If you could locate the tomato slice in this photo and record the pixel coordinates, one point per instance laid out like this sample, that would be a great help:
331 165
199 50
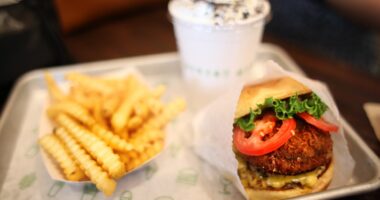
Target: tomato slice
319 123
255 146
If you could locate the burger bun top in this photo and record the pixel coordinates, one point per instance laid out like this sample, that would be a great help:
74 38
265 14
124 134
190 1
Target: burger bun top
281 88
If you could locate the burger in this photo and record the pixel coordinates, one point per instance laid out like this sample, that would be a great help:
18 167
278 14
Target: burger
281 141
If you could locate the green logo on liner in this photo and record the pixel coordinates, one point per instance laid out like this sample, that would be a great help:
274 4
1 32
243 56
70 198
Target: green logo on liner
164 198
89 192
239 72
226 186
187 176
150 170
163 82
32 151
27 181
174 149
55 188
226 72
35 130
174 121
126 195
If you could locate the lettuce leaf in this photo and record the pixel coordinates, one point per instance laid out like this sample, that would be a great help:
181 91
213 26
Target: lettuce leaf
284 109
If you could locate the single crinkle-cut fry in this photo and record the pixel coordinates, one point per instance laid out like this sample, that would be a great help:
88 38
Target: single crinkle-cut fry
134 123
110 104
134 91
79 96
72 109
133 84
131 160
117 84
156 148
134 102
53 146
141 109
148 130
141 140
124 157
98 114
134 159
158 91
151 103
55 93
155 105
95 146
122 114
168 113
114 141
96 174
89 83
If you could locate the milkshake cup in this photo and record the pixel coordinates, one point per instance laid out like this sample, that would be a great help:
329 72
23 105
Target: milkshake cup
217 39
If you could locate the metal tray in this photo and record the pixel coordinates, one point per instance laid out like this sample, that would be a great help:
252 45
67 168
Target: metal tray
15 121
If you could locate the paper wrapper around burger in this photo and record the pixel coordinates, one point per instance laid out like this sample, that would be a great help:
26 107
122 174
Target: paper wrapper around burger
213 124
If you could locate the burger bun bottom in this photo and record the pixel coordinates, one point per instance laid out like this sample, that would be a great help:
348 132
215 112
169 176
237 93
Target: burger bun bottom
322 184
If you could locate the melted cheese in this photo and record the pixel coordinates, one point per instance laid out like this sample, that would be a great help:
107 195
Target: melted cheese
308 179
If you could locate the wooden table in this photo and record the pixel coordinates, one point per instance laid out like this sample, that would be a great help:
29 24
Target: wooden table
150 32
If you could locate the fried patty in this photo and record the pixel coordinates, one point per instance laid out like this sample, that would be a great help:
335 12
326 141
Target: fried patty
308 149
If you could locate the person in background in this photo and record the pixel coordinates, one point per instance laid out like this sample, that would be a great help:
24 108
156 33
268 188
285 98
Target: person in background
29 39
347 30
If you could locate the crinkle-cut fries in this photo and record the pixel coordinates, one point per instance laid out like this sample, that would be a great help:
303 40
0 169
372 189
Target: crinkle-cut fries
105 127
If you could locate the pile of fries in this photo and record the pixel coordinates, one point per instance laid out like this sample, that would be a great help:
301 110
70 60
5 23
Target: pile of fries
105 127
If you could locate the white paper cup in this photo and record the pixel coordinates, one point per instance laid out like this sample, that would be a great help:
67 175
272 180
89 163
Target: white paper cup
214 56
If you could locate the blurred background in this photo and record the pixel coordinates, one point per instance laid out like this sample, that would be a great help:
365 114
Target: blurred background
42 33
